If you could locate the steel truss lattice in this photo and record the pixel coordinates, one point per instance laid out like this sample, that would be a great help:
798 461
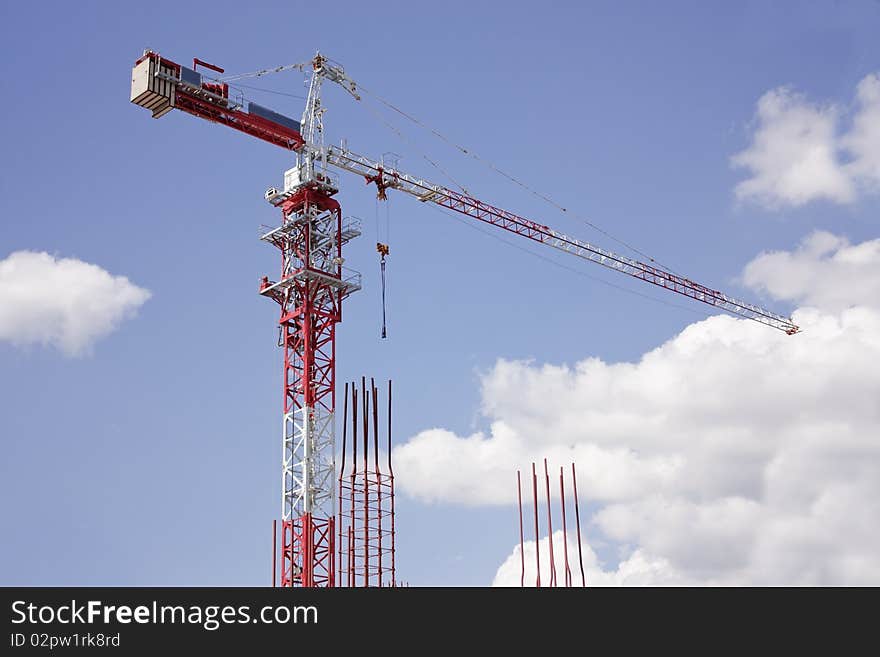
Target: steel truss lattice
365 529
310 292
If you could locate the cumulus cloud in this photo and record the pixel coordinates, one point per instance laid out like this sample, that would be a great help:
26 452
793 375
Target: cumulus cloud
863 141
638 569
824 271
614 472
799 154
793 156
63 302
730 454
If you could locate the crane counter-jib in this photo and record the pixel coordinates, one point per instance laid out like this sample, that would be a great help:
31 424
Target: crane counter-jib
161 85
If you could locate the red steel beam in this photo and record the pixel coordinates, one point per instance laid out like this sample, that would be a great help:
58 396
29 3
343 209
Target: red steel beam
537 535
378 474
353 480
550 528
366 406
391 483
577 516
342 470
564 527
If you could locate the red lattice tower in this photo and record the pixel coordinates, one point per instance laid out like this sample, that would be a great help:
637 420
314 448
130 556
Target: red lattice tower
310 291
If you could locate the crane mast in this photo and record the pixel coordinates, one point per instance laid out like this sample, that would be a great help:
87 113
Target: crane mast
313 283
310 292
312 158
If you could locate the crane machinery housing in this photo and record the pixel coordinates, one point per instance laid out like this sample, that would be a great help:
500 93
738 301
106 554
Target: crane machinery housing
313 283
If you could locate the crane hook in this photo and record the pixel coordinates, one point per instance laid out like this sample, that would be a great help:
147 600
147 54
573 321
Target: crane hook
382 250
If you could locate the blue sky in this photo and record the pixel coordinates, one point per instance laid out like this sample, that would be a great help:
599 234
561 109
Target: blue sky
154 459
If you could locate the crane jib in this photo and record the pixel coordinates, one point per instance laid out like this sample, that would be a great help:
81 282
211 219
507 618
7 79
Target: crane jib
648 273
430 193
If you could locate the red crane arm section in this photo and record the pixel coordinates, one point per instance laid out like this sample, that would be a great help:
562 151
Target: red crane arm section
250 124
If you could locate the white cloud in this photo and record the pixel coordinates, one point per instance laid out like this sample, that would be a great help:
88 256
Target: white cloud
863 141
730 454
793 157
825 271
638 569
63 302
799 155
615 472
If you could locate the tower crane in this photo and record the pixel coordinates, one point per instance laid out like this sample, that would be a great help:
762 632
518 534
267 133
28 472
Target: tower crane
313 282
